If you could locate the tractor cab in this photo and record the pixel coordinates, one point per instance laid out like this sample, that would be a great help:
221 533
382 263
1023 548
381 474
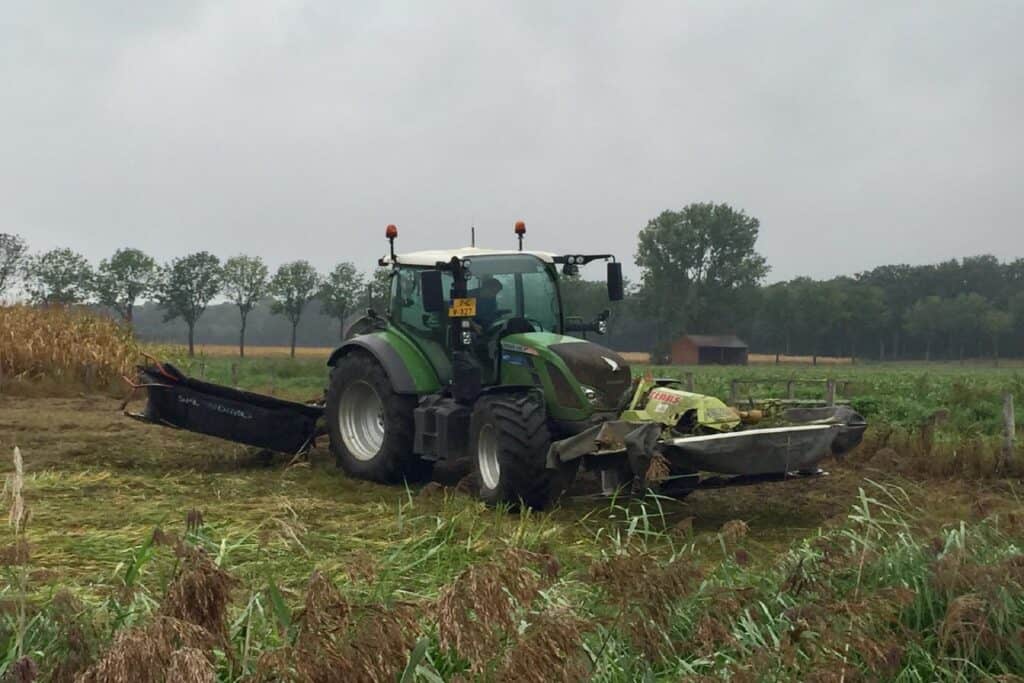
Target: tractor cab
460 307
504 293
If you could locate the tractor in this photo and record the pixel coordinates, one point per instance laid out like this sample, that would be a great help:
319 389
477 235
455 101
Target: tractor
475 359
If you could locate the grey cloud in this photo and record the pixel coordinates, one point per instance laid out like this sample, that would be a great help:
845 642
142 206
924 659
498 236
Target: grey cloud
859 133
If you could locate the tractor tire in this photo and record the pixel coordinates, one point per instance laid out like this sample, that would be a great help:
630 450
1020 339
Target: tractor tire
508 441
370 426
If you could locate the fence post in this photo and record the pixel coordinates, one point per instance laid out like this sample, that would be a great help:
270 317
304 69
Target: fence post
734 392
1009 431
202 369
90 375
234 375
689 381
790 389
830 392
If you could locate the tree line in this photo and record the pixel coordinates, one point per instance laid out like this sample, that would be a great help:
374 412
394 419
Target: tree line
184 287
700 272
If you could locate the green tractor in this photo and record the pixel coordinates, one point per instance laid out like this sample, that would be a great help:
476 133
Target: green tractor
474 360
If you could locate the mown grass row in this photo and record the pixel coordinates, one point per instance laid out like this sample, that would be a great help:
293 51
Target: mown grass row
486 596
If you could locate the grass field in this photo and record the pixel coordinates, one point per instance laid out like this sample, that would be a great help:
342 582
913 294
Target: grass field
905 395
772 578
158 555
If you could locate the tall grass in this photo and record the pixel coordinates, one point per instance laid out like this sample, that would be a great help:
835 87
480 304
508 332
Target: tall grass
56 349
481 595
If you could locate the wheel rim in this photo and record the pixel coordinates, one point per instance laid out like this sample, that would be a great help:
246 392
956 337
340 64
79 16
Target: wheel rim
361 420
487 457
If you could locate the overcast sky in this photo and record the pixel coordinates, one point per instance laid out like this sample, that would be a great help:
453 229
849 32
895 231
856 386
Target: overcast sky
859 133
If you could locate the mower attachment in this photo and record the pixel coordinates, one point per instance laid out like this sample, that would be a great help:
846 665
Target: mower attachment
176 400
755 451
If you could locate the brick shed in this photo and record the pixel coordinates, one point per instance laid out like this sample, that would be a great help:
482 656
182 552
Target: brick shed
709 349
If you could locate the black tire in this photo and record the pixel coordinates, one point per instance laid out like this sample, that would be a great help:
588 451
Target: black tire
513 429
357 381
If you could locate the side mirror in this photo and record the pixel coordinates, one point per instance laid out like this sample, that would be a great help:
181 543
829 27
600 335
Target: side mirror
433 294
615 289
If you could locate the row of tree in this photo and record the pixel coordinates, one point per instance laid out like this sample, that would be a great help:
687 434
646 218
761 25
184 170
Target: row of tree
851 316
185 286
700 273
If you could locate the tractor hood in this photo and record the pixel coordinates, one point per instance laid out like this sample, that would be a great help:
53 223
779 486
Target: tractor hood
582 375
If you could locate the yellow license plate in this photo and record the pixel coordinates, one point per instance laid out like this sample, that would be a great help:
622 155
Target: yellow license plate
462 308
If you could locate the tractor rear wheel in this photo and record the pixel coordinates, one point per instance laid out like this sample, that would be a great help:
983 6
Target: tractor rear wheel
371 427
509 442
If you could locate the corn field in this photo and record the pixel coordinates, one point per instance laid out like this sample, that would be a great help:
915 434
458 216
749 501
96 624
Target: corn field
59 346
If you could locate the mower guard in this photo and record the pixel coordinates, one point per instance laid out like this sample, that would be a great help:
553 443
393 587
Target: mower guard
753 452
176 400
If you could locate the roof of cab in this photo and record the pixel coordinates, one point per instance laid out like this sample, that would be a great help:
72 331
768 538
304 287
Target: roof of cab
432 257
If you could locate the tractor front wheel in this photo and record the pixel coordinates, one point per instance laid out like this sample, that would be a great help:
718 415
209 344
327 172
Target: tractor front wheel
509 442
371 427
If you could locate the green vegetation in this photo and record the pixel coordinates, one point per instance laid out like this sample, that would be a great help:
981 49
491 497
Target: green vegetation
150 551
156 555
904 396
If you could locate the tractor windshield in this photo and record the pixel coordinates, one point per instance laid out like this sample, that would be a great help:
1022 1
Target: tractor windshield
515 286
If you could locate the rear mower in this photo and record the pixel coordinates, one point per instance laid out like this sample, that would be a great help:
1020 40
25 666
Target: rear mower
475 360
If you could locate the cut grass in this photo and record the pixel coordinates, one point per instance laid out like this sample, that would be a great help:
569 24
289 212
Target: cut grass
99 485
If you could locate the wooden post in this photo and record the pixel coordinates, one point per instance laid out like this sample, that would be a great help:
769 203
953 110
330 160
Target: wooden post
830 392
202 369
790 389
734 392
1009 431
688 376
234 375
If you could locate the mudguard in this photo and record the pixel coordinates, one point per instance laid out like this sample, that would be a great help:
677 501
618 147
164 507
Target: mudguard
406 367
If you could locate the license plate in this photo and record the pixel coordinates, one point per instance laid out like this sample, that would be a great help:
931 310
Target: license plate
462 308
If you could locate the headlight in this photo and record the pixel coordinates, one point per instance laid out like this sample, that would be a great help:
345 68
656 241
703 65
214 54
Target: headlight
592 394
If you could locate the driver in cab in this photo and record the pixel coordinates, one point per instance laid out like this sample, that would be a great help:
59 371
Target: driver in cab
487 312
